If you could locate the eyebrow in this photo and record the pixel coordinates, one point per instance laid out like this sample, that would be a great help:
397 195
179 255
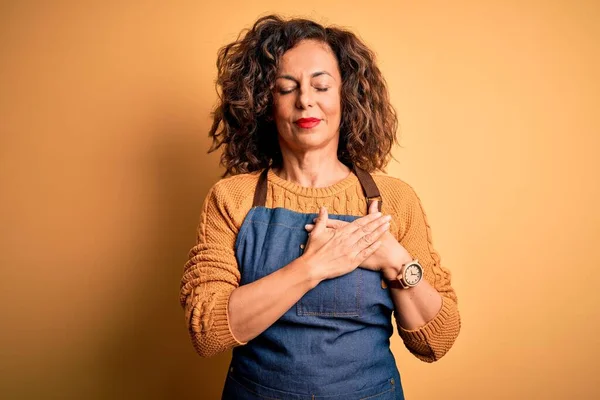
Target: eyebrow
314 75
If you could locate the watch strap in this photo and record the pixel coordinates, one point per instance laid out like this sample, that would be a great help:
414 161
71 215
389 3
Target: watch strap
396 284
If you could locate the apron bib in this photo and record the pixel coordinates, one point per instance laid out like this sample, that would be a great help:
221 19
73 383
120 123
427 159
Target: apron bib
333 344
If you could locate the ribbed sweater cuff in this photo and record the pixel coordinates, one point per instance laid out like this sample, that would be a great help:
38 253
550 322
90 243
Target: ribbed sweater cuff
221 325
432 329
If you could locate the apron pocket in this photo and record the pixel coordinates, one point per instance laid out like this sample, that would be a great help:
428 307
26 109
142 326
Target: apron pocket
337 297
386 391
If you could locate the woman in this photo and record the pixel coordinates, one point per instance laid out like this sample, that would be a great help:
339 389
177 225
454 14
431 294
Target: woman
304 117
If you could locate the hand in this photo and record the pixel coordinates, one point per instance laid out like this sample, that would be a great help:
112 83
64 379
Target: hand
388 258
336 252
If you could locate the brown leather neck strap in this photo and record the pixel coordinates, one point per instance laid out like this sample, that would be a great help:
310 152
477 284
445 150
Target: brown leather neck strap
369 187
260 194
367 183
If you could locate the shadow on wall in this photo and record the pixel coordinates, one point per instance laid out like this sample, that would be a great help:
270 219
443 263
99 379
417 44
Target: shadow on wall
151 355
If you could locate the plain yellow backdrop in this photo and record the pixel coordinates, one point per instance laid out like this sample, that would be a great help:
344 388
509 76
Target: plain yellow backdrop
104 114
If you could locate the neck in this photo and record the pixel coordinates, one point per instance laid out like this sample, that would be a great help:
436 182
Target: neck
312 170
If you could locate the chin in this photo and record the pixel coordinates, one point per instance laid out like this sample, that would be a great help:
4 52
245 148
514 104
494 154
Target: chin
307 139
313 140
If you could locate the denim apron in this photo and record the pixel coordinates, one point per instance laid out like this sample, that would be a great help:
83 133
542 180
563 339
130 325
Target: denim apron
334 343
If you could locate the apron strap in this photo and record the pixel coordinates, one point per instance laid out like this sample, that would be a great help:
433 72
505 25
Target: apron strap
367 183
369 187
260 194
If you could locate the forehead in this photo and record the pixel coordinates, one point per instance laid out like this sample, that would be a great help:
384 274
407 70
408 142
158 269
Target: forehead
307 57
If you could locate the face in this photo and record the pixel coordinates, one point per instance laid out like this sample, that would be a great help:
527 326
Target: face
306 98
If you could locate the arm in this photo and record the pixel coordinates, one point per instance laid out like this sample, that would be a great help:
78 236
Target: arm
209 277
256 306
415 307
219 313
427 315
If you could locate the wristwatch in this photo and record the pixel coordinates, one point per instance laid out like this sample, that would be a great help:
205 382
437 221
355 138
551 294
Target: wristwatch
410 275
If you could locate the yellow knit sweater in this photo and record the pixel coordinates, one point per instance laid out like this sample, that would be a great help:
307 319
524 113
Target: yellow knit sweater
211 272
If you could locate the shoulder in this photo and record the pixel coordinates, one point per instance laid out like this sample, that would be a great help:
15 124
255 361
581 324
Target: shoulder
399 197
400 200
233 196
236 187
396 192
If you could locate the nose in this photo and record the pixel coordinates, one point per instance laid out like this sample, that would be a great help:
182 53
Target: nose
305 98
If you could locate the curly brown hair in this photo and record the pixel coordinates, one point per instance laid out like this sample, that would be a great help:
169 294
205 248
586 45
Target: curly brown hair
242 120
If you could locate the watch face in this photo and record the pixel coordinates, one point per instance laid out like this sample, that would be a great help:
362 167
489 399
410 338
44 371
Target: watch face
412 274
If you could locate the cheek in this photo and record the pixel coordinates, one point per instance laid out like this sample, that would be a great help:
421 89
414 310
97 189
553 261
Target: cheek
281 116
282 110
332 107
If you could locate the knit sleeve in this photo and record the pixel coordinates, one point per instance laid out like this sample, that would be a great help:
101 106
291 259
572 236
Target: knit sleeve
430 342
209 276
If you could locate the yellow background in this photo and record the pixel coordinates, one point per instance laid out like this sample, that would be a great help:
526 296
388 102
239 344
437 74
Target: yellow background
104 113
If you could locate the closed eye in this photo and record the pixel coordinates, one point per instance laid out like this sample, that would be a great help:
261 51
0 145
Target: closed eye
283 91
287 91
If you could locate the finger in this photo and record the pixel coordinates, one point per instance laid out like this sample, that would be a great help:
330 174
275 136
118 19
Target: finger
333 223
322 219
311 227
372 237
379 225
362 222
374 207
366 253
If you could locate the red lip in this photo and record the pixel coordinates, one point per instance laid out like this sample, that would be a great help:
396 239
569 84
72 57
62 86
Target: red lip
308 123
